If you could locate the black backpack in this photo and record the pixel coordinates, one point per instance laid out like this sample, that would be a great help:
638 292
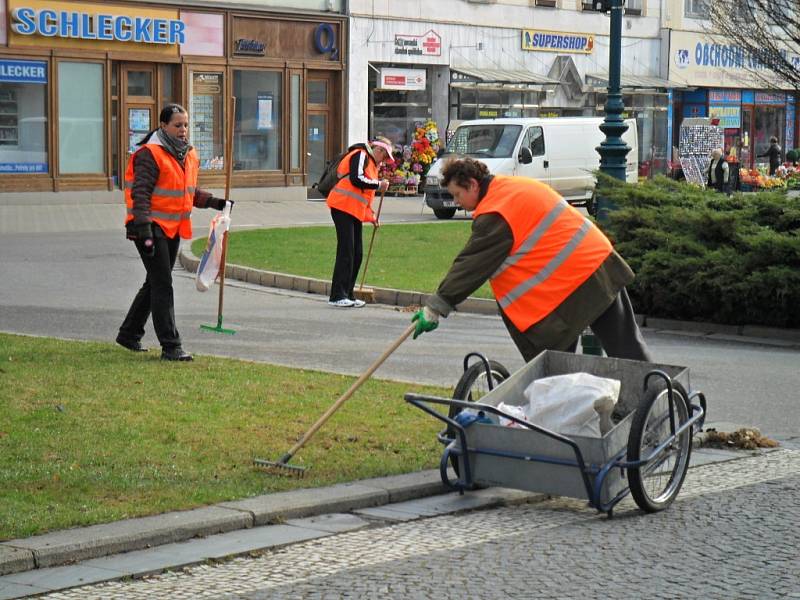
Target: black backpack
330 177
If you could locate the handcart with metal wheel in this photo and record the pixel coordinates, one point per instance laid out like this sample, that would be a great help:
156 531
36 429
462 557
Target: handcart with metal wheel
646 453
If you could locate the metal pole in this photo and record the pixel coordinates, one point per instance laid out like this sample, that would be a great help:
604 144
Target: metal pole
613 150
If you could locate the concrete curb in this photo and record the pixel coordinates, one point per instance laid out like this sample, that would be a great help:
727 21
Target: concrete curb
392 297
73 545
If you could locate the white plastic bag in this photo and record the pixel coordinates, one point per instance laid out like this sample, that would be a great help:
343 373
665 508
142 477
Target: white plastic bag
208 269
572 404
520 412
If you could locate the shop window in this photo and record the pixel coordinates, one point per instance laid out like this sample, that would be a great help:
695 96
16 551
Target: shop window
696 9
257 130
140 83
396 111
23 117
295 115
206 119
317 91
81 132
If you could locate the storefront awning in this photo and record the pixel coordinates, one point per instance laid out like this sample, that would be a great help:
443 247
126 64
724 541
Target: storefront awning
502 76
600 80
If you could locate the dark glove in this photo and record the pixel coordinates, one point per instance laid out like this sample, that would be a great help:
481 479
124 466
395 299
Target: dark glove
142 232
218 203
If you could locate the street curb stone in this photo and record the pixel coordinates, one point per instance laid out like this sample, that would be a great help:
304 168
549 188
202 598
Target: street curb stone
70 545
95 541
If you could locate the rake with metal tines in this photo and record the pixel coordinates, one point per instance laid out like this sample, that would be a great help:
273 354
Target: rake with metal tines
282 465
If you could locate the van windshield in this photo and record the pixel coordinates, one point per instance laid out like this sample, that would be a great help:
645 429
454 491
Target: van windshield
487 141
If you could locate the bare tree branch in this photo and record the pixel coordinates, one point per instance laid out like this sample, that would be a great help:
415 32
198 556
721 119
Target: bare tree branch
767 34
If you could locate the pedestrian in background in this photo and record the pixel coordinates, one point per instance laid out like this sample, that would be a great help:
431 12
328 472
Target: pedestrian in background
160 191
553 272
774 154
350 202
718 173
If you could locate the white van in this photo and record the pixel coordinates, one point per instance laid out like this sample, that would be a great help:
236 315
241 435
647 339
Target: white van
558 151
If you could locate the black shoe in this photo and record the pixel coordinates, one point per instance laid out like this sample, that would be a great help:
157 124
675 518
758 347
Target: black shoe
132 346
176 354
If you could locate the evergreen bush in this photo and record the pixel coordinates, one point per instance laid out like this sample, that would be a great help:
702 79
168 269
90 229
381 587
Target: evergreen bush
704 256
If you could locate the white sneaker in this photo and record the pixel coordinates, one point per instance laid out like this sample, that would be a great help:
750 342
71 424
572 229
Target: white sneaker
358 303
342 303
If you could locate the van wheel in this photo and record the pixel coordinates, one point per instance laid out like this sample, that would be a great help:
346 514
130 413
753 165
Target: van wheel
444 213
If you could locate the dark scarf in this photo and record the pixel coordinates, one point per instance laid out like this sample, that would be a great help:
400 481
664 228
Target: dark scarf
178 148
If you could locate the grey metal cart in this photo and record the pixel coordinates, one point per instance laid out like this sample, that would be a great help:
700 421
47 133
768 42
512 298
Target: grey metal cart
646 453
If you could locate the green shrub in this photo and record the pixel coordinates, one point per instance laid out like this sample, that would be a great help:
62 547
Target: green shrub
704 256
791 156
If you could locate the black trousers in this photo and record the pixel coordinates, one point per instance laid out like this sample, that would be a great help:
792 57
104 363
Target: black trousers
155 297
349 252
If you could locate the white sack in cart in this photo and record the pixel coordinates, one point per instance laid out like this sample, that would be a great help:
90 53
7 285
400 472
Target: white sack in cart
572 404
208 269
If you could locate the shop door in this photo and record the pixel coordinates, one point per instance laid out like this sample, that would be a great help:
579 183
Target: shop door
320 131
139 113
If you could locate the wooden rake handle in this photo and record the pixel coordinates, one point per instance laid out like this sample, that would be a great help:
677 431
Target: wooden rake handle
228 173
358 383
371 241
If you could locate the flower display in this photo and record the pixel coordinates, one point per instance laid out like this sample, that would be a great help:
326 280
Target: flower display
410 163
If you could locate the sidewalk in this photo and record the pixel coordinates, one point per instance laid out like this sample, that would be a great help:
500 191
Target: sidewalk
139 547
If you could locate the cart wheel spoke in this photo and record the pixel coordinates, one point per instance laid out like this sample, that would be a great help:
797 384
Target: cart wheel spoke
655 484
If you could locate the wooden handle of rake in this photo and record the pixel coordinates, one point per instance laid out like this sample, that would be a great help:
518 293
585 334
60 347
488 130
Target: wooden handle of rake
228 174
358 383
372 241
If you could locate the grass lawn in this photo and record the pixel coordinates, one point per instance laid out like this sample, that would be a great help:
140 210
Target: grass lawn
91 433
407 257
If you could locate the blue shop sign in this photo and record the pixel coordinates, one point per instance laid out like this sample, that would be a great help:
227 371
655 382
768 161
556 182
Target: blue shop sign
87 26
23 71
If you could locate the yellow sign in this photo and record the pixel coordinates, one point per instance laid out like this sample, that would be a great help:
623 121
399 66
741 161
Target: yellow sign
104 27
557 41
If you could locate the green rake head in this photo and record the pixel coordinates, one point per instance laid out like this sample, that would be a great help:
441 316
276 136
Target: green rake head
281 467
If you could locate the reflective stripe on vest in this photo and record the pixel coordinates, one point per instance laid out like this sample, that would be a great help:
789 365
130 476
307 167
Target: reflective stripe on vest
555 248
172 197
347 197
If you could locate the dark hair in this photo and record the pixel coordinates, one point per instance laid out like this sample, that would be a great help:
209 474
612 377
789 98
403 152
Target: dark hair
773 140
165 116
461 170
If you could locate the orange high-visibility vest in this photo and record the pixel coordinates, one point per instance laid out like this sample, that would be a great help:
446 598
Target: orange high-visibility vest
172 199
347 197
555 248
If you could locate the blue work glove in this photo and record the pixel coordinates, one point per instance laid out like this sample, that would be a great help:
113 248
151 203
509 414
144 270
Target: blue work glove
426 320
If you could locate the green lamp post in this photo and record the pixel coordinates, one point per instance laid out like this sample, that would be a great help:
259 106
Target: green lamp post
613 150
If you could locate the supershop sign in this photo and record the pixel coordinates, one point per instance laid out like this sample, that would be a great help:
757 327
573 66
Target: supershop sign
29 21
557 41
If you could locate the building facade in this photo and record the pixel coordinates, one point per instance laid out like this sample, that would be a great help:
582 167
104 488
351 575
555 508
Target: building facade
724 82
82 82
453 60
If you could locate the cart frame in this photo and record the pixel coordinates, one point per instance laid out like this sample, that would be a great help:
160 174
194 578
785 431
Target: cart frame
593 475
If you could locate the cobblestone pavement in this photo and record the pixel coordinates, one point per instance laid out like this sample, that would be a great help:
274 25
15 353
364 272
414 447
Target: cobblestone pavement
731 534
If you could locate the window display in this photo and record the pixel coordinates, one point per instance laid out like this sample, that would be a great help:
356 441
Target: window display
257 132
206 119
23 117
81 118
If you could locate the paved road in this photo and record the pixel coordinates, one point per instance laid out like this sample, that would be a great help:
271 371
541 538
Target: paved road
731 534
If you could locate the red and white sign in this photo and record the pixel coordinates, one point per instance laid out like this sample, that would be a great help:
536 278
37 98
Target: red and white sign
403 79
427 44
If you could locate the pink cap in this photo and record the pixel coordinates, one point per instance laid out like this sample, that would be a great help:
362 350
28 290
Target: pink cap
382 143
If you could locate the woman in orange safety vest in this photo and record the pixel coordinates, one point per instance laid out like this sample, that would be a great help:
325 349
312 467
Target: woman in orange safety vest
160 191
350 202
553 272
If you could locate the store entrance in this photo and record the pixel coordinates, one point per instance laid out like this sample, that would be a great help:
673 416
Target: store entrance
138 112
321 115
